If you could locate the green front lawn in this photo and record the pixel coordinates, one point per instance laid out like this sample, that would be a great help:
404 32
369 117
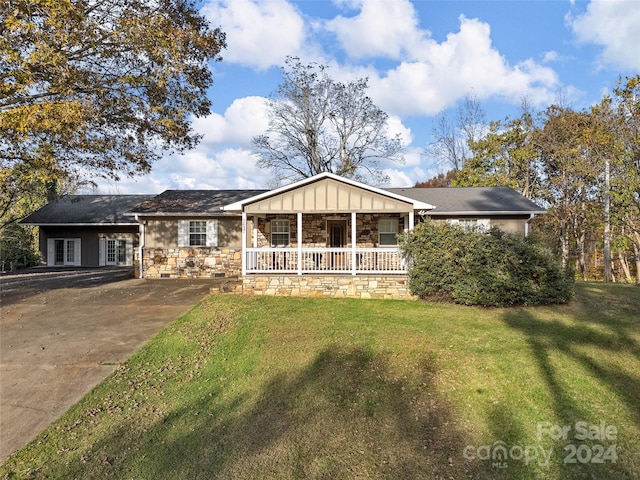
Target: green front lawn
248 387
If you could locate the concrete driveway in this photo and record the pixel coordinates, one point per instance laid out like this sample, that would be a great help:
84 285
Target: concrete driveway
62 332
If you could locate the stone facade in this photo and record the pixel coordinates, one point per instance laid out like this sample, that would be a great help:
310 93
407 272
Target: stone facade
314 229
333 286
188 262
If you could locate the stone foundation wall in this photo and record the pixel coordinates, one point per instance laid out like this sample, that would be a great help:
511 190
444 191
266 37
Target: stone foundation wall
370 286
191 262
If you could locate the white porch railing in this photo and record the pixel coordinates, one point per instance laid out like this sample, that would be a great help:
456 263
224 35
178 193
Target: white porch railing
325 260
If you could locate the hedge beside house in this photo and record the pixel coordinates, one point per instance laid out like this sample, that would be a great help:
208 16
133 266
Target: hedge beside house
490 269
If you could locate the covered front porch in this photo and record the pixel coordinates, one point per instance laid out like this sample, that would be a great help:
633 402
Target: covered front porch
303 243
325 225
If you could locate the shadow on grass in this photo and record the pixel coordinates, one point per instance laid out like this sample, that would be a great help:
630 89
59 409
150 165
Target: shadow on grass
345 415
598 339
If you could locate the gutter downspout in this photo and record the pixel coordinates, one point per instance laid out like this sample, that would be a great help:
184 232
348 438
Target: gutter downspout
140 248
526 224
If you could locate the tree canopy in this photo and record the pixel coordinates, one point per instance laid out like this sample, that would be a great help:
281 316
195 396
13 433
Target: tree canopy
317 124
100 86
584 167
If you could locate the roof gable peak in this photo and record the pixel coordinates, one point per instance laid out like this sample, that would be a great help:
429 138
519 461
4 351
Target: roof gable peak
239 206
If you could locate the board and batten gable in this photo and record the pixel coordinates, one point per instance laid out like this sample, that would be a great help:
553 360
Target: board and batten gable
327 196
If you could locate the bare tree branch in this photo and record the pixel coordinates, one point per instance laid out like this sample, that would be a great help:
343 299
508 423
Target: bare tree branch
319 125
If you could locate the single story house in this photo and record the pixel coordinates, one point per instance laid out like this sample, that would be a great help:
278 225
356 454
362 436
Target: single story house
322 236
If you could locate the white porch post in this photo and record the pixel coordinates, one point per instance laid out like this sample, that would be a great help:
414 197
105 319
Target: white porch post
254 240
353 244
244 243
299 243
411 225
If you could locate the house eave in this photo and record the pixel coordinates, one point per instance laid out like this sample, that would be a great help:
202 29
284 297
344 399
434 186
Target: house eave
187 214
81 224
486 213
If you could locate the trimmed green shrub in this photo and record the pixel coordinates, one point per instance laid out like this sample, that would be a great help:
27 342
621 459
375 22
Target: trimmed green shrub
490 269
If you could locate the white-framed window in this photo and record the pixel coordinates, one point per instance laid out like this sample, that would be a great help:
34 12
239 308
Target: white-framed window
280 232
198 233
472 224
64 251
388 232
469 224
115 251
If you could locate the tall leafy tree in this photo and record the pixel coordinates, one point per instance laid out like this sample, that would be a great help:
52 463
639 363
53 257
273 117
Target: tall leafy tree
584 166
99 87
602 117
626 183
317 124
571 171
505 156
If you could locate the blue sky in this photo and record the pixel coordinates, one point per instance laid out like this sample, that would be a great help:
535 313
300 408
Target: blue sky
421 58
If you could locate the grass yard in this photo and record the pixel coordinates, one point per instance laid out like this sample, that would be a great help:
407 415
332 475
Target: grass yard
248 387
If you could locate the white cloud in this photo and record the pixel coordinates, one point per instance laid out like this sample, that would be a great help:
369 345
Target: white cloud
398 178
550 57
259 34
245 118
395 127
191 170
381 29
615 25
419 175
243 163
413 157
150 183
466 61
230 168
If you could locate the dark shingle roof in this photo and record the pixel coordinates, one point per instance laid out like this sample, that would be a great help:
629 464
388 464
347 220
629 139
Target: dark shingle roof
471 200
87 209
119 209
194 202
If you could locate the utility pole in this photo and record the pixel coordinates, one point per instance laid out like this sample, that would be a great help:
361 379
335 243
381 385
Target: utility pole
607 223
